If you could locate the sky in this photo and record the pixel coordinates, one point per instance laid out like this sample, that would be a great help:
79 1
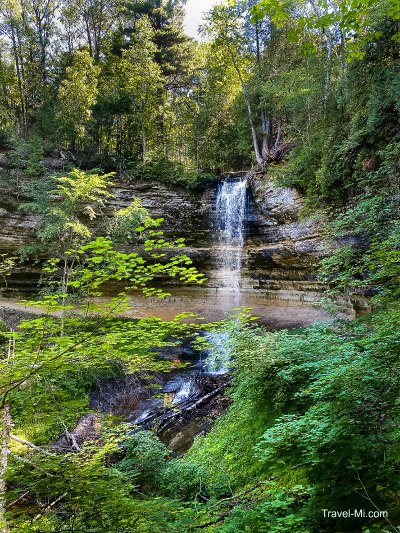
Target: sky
194 15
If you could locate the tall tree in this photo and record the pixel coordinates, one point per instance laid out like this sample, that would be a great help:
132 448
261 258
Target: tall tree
77 95
225 25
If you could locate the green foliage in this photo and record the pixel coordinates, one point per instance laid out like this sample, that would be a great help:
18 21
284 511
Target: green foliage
183 479
314 424
67 204
77 95
28 155
145 457
352 19
52 362
123 226
367 255
90 495
278 514
98 262
315 420
170 172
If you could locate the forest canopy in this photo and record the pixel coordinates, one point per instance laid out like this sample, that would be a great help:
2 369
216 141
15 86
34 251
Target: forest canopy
122 87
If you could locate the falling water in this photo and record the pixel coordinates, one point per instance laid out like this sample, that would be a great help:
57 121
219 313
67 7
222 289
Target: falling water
229 225
230 217
219 351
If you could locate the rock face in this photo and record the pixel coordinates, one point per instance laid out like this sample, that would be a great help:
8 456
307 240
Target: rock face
282 250
279 256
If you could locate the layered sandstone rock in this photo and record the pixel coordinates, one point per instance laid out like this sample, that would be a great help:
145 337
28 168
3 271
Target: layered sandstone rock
280 255
283 250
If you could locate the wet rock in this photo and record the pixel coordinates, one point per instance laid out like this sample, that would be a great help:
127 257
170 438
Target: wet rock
124 396
54 162
5 161
179 405
180 436
282 257
278 204
87 429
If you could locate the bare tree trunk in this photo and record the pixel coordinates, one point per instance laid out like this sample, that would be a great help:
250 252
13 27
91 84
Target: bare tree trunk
41 37
327 88
266 129
20 82
5 437
88 35
258 42
278 135
144 143
259 158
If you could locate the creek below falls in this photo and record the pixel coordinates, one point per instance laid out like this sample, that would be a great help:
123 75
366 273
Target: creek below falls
185 402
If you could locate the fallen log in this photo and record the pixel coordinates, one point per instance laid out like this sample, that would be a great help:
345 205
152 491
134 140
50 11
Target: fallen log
166 417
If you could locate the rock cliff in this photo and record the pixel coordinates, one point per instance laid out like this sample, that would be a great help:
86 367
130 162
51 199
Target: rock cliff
279 257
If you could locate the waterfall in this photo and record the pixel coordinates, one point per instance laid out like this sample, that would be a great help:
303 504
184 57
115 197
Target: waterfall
219 351
229 226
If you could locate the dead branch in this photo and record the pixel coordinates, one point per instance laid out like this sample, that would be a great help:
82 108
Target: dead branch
29 444
31 463
71 438
18 499
38 516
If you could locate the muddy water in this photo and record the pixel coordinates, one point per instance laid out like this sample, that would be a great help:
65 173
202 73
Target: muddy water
213 305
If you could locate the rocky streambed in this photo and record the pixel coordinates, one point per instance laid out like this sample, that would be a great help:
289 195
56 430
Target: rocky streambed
177 406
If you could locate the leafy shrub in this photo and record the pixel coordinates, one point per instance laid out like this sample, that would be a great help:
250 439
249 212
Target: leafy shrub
145 457
368 232
122 227
315 419
183 478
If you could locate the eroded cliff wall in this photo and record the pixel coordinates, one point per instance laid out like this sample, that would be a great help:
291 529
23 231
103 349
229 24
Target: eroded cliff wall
280 255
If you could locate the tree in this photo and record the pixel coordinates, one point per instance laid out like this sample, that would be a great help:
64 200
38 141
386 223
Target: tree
77 95
11 15
220 134
90 338
338 21
67 205
128 102
225 25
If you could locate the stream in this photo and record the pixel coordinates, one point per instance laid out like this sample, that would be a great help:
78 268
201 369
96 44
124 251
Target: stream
185 402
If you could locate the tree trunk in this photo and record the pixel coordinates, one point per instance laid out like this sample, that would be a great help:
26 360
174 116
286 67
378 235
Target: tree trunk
327 88
266 129
259 158
144 144
5 437
23 122
88 35
258 42
41 37
278 136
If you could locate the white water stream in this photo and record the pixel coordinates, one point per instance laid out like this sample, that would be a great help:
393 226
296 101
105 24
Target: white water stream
230 214
229 226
